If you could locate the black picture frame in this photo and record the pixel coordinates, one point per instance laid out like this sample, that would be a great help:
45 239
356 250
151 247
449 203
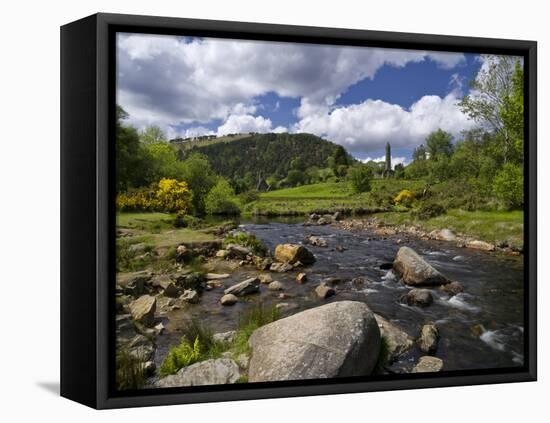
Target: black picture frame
87 208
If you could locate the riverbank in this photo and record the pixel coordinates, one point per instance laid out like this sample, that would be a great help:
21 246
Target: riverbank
501 230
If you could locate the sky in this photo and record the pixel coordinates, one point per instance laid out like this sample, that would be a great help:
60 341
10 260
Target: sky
358 97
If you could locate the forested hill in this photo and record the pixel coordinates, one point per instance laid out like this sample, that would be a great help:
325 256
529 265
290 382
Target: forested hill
267 155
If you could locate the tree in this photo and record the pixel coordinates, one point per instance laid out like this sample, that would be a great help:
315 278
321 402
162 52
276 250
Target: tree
512 115
128 153
489 93
440 144
399 171
295 178
360 178
419 153
508 185
152 135
221 199
340 157
200 177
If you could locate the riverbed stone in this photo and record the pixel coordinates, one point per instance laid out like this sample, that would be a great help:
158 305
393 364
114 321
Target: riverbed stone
292 253
316 241
428 338
397 340
301 278
216 276
190 296
237 251
170 289
453 288
246 287
337 339
324 291
417 297
229 300
143 310
480 245
134 283
281 267
224 337
428 364
265 278
275 286
209 372
414 270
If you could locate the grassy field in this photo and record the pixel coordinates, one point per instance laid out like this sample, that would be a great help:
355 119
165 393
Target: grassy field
490 226
330 196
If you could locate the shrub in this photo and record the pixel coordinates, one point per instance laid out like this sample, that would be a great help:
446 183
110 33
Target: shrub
173 196
183 220
197 344
221 199
130 370
143 199
180 356
360 178
246 240
405 198
508 185
428 210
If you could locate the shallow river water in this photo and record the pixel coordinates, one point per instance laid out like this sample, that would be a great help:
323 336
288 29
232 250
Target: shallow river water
492 297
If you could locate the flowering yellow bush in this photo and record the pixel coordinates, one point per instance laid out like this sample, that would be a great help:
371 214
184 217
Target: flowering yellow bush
169 195
405 197
174 196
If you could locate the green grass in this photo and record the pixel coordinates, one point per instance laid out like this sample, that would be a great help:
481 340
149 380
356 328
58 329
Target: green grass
329 197
130 370
197 343
157 232
247 240
490 226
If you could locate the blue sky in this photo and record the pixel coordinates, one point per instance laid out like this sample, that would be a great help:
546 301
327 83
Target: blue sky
360 98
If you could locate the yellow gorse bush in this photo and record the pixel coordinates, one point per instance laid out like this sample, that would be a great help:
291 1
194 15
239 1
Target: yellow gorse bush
405 197
169 195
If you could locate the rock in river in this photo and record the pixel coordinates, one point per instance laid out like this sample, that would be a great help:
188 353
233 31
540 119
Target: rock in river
229 299
398 341
417 297
209 372
143 310
275 286
414 270
428 338
281 267
337 339
237 251
324 291
480 245
428 364
246 287
190 296
292 253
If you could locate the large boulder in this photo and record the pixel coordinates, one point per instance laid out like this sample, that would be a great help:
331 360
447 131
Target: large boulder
229 300
143 310
337 339
246 287
209 372
293 253
133 283
397 340
428 364
414 270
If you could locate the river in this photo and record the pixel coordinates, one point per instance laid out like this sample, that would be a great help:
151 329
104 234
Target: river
479 328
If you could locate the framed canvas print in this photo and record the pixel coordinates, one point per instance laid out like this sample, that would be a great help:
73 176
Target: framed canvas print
254 211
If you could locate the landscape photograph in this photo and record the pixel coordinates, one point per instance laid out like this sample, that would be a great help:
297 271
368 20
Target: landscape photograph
292 211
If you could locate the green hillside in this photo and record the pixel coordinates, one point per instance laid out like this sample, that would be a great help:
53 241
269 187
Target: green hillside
265 154
185 145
